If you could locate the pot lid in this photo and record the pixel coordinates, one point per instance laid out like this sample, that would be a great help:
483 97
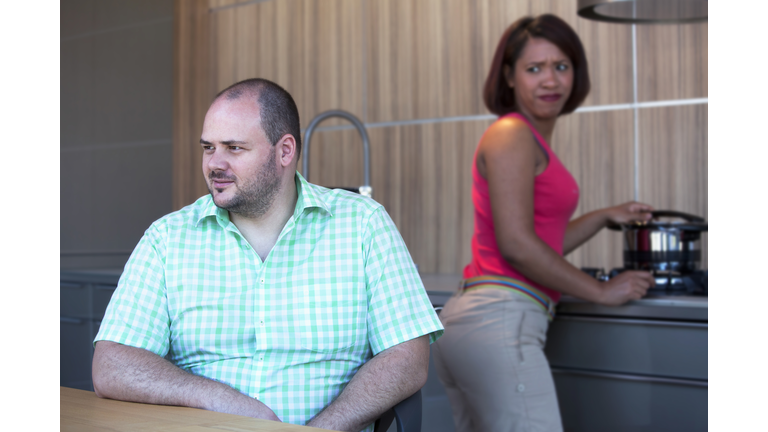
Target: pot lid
644 11
667 219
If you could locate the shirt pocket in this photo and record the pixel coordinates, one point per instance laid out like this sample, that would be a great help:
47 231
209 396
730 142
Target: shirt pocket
329 324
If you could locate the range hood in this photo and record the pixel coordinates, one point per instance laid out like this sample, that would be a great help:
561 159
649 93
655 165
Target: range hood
644 11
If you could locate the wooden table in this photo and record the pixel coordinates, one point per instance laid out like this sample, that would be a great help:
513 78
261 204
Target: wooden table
84 411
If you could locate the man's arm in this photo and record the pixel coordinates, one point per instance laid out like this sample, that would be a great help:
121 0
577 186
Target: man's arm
388 378
133 374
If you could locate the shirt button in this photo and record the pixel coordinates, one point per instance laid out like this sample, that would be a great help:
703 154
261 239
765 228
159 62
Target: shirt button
520 388
262 280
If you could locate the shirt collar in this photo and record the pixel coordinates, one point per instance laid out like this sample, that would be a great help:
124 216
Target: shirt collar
210 210
308 196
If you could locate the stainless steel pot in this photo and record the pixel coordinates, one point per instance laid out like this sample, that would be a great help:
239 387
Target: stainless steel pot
663 243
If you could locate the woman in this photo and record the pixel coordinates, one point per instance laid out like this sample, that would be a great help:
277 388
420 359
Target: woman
490 358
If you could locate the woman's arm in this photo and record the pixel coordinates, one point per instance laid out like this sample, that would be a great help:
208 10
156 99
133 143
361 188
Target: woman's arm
583 228
507 159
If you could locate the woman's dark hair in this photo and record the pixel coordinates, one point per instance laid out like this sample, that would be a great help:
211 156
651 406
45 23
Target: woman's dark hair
499 97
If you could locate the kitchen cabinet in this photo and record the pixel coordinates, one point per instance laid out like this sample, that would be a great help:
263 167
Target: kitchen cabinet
639 367
84 296
436 415
75 353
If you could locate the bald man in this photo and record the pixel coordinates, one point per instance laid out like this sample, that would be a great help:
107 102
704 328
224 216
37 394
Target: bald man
269 297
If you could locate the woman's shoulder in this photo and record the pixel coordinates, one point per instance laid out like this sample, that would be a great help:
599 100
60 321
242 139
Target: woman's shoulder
507 141
508 130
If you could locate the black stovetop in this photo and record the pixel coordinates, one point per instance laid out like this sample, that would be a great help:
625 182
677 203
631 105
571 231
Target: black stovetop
667 283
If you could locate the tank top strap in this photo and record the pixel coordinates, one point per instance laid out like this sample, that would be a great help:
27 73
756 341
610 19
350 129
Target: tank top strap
536 135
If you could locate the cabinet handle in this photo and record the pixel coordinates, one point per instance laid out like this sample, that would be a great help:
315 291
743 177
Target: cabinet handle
68 320
633 321
627 377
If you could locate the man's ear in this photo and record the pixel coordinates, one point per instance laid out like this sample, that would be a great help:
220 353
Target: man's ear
286 150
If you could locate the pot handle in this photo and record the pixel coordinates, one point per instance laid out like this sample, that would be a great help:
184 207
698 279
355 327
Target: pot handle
671 213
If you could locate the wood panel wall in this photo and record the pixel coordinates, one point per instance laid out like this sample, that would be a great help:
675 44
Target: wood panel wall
192 92
413 71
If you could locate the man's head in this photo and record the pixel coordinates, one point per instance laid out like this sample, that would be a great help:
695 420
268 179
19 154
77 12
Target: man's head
279 115
251 143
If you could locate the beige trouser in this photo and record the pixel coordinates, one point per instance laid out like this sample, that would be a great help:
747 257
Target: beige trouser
491 361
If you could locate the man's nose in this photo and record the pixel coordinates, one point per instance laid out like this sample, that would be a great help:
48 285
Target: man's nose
217 161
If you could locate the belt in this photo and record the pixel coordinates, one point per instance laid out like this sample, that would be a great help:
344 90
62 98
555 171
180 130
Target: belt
514 285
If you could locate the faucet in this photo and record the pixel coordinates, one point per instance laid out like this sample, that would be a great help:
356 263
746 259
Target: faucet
366 188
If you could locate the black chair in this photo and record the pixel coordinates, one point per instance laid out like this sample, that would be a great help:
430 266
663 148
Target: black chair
407 415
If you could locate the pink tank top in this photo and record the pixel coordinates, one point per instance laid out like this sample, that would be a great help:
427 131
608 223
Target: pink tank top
555 197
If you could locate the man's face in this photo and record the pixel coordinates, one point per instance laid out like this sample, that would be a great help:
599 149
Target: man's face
239 163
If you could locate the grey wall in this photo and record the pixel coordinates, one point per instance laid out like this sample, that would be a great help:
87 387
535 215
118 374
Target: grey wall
116 123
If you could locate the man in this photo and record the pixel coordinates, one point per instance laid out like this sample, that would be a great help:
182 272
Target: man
270 297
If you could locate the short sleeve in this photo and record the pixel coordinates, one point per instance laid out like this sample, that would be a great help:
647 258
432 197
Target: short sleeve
398 306
137 314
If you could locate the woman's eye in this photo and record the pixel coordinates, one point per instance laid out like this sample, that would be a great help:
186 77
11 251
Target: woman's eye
533 69
562 67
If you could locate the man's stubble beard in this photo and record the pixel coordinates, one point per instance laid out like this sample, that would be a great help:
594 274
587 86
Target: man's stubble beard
255 197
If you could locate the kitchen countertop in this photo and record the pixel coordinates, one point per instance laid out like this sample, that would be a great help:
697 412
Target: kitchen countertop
99 276
682 308
440 287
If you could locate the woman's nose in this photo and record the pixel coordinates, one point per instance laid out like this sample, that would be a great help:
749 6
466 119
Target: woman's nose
549 78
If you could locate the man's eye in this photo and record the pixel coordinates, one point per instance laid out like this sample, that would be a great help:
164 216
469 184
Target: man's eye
235 148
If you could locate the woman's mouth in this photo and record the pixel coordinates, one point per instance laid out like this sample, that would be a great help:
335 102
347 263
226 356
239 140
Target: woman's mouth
550 97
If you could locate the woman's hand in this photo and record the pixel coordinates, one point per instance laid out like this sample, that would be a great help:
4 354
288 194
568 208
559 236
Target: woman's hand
629 212
582 229
626 286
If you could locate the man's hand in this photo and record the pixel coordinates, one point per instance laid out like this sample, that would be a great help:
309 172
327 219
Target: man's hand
133 374
231 401
382 382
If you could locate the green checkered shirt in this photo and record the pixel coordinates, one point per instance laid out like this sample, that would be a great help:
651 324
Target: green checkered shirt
338 287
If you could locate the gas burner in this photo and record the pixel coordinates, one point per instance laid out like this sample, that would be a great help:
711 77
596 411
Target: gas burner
667 283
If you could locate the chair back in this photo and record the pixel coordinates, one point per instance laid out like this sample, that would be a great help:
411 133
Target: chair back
406 414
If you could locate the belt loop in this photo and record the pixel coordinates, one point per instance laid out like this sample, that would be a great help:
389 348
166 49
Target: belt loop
551 311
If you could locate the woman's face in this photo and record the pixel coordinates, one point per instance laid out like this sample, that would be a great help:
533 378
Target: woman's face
542 79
